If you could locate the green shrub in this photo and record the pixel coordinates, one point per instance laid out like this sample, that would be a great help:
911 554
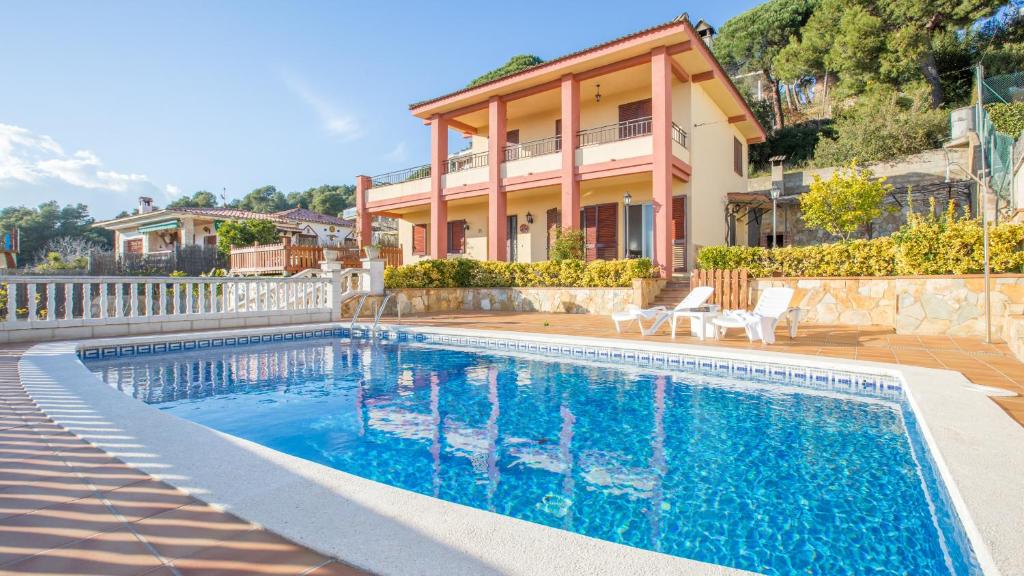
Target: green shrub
943 244
883 124
568 245
796 142
466 273
1007 118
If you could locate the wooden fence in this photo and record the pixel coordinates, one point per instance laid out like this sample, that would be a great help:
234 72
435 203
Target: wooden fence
275 259
732 290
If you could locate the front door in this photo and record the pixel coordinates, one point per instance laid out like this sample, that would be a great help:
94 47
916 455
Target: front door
600 224
513 238
679 233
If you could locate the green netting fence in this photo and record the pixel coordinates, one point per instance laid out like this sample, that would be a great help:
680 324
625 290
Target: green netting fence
999 147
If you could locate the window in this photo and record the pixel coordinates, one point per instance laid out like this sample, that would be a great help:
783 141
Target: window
512 137
737 156
635 119
210 240
419 239
133 246
457 237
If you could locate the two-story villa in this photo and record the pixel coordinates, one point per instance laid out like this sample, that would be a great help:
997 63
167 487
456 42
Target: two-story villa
637 142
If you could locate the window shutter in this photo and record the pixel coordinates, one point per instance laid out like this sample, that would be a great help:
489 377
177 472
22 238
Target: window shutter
635 110
737 156
607 232
589 220
512 137
419 239
457 237
558 135
679 233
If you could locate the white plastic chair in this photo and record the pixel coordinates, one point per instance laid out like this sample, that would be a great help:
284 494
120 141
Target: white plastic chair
687 307
659 315
634 313
760 324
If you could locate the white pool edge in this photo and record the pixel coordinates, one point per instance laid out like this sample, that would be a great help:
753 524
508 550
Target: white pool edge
977 448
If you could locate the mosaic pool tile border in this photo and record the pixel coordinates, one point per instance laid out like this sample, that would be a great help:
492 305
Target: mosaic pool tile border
834 380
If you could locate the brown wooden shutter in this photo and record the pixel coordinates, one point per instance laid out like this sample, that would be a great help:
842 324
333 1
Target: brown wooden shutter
554 220
737 156
635 110
679 233
133 246
607 232
512 137
419 239
558 135
589 220
457 237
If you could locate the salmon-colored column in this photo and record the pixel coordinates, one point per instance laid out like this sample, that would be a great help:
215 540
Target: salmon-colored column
497 212
438 206
364 233
661 130
570 126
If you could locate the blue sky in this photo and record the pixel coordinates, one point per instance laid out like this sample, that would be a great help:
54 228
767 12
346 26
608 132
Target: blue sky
102 101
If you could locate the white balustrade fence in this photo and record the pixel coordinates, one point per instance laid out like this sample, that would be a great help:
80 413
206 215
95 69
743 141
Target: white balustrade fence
41 302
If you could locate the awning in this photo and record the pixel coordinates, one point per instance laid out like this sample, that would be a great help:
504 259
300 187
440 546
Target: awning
157 226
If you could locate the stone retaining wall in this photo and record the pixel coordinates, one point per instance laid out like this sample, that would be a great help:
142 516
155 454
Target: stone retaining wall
927 305
407 301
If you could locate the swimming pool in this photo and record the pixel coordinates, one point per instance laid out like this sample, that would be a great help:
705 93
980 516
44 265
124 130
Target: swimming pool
761 475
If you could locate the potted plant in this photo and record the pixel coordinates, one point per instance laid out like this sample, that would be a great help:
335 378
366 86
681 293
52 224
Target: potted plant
372 251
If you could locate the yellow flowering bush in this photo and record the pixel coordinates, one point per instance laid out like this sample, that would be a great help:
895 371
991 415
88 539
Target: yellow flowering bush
467 273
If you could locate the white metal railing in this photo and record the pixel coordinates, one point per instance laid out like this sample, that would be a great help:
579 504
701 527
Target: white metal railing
62 301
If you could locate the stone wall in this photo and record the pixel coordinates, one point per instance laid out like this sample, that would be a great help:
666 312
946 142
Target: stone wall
927 305
1013 334
410 301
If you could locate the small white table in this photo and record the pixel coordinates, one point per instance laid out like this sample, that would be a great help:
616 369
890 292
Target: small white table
700 321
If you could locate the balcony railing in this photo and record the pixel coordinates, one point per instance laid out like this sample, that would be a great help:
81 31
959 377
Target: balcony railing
466 162
679 135
399 176
533 148
613 132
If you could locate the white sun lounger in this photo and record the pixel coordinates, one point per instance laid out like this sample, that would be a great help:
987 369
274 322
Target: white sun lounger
658 315
760 324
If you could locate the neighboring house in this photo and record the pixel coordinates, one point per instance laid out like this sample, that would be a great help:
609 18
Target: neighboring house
650 117
154 231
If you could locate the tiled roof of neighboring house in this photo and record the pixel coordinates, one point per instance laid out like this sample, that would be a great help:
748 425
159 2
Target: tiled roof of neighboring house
305 215
228 213
553 61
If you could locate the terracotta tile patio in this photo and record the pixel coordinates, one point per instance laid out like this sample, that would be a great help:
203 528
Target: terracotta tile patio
69 508
988 364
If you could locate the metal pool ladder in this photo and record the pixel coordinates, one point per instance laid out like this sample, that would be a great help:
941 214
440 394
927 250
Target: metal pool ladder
380 312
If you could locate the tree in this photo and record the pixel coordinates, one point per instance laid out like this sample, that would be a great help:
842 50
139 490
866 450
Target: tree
245 233
751 41
40 225
326 199
265 199
514 64
850 199
199 199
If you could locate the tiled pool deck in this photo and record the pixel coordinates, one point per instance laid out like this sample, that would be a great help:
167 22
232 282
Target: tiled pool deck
986 364
69 508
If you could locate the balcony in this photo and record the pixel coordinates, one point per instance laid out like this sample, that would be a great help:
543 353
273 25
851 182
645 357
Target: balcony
464 169
628 139
532 157
394 185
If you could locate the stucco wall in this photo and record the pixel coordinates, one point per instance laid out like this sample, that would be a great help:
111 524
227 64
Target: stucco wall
926 305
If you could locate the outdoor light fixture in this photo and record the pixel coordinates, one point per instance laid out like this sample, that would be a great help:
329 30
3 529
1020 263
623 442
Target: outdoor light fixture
529 218
597 95
627 199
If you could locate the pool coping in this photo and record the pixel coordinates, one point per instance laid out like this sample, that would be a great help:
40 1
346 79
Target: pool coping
978 450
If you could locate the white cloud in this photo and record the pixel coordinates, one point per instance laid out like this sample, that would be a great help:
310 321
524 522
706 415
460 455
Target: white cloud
397 154
332 119
34 168
172 190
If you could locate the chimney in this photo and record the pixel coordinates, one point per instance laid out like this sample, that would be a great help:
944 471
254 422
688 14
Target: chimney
145 204
706 32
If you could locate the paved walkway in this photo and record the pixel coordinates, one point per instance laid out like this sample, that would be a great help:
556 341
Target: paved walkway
988 364
69 508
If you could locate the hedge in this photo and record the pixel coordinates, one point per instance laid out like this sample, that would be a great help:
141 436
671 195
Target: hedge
467 273
928 246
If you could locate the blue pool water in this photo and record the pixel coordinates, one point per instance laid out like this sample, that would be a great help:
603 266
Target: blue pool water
768 478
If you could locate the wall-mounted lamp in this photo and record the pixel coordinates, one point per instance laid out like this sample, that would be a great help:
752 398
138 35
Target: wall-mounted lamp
627 199
529 218
597 94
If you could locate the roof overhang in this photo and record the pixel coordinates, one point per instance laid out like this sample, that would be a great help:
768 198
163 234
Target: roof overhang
159 226
690 58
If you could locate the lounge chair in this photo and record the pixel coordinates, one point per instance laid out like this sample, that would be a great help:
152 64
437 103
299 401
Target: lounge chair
659 314
634 313
760 324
